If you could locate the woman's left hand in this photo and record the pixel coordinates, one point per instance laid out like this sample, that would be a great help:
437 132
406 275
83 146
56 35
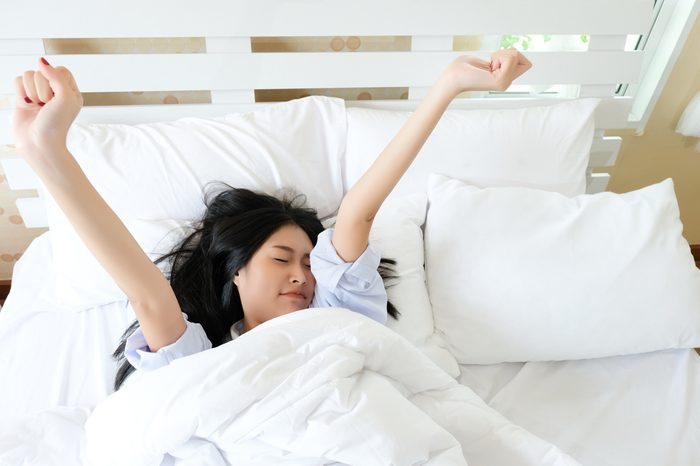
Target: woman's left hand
469 73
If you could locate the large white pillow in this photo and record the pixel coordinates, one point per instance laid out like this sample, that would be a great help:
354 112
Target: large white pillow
546 147
397 234
152 175
520 274
158 170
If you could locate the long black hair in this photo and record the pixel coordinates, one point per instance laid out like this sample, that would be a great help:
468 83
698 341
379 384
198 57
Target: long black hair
236 223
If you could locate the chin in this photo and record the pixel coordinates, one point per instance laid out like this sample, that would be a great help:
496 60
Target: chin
293 305
289 309
299 308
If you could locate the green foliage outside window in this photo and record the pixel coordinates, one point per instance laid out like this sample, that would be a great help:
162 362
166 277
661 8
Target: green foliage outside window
508 41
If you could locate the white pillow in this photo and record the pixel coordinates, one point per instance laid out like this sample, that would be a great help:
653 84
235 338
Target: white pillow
545 147
158 169
397 234
80 280
520 274
156 172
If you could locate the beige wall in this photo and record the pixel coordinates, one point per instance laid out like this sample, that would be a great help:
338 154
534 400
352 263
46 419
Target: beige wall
14 236
660 152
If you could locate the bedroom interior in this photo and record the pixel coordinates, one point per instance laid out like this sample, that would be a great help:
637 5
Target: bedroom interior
632 399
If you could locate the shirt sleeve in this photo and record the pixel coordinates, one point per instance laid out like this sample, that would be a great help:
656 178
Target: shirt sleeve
356 286
139 355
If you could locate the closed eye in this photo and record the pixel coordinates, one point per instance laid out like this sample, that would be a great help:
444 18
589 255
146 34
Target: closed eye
280 260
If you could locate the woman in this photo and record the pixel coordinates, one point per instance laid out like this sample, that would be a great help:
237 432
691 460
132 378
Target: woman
275 274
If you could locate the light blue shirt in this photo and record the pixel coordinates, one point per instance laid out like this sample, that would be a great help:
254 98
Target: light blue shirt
353 285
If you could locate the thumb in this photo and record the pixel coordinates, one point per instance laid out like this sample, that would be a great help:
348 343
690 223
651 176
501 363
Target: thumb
56 79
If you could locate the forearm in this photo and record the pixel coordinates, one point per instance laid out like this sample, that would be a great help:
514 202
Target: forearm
369 192
363 200
99 227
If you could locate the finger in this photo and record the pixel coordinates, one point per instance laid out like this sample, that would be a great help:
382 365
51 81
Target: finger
21 100
72 82
56 78
523 65
520 70
43 90
498 56
29 86
69 77
522 59
505 76
507 62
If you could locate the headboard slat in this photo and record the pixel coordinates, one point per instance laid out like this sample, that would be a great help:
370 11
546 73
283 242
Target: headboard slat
604 151
212 18
226 71
33 212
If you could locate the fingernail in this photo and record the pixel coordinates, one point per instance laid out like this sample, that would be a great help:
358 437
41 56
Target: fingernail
28 100
41 104
43 60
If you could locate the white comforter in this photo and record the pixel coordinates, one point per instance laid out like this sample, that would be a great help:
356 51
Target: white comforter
318 386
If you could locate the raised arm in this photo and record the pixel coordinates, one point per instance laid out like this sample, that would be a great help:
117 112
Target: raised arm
47 103
361 203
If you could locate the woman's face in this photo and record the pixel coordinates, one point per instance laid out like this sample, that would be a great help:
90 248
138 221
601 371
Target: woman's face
277 280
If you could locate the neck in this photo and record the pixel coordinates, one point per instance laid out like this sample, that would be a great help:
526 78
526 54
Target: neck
247 325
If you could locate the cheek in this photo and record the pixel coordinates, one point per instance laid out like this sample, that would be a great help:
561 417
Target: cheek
252 279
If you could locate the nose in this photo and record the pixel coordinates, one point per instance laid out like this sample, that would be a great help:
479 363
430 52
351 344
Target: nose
298 275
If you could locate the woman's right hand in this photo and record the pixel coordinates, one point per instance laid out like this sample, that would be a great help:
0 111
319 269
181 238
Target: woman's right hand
48 100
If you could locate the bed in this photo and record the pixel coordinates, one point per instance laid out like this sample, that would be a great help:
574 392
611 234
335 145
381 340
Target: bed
551 323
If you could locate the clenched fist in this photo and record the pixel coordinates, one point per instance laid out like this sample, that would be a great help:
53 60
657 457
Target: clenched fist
469 73
48 100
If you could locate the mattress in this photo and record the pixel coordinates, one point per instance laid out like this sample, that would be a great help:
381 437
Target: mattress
640 410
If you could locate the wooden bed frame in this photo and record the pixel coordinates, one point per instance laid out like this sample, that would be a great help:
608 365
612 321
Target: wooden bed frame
5 286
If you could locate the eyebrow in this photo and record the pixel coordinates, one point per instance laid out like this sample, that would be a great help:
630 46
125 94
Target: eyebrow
287 248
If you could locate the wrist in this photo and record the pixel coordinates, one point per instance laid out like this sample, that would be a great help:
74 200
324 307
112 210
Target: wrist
445 89
47 160
449 84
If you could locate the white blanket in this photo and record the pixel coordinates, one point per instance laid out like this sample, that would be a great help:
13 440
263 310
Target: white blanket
314 387
317 386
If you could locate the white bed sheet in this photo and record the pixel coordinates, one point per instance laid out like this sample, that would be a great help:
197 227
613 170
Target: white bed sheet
51 355
641 410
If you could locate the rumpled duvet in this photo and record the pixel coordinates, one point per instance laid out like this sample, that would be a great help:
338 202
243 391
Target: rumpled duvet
314 387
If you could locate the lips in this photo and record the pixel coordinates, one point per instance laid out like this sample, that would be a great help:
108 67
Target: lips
294 294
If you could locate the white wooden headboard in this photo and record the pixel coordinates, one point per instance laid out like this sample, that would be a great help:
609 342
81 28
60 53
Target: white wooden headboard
232 72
